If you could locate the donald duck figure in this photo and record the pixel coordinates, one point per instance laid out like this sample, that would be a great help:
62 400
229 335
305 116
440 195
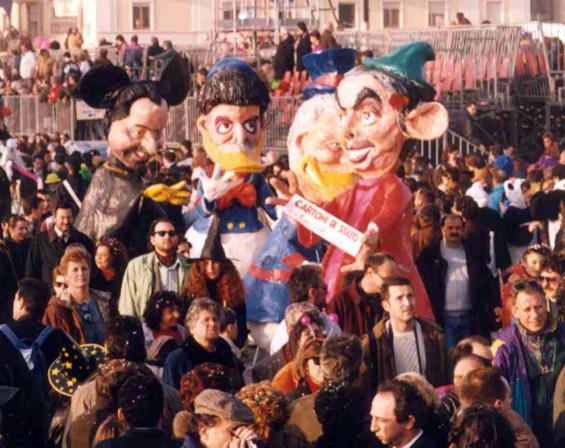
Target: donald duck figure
232 106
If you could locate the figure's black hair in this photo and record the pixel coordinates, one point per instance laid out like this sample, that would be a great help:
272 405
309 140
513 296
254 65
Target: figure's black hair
128 95
233 87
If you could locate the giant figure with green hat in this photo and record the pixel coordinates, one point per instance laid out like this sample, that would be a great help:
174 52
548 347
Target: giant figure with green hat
384 102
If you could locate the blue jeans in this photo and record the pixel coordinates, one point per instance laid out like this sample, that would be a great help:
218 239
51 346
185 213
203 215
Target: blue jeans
457 327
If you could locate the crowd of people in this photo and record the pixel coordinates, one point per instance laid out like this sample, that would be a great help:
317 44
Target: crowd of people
128 339
52 71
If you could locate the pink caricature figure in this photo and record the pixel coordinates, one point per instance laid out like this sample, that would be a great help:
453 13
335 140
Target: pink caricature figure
384 102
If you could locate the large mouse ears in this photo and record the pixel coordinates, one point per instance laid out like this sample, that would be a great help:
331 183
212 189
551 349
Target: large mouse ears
100 84
173 81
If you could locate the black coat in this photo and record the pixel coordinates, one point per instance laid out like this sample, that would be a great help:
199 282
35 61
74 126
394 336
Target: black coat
24 418
433 270
8 286
191 354
18 253
284 57
304 47
47 250
140 438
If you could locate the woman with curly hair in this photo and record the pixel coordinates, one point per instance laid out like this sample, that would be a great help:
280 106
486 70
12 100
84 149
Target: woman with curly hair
219 280
481 426
271 409
110 261
303 375
161 317
207 376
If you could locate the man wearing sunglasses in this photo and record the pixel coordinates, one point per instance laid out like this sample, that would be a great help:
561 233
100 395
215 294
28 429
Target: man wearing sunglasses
551 280
163 269
530 353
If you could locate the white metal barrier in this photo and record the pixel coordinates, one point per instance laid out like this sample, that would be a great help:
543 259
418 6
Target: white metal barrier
30 116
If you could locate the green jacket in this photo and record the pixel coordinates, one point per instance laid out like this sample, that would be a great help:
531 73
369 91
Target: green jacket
141 280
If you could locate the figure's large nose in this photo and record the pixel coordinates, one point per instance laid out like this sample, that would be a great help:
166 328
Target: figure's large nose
348 125
153 141
239 135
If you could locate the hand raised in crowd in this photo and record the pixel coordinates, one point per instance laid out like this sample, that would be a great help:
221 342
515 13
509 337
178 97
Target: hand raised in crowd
217 184
244 438
284 191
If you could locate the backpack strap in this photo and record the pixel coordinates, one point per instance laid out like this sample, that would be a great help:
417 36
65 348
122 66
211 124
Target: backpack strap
11 336
45 333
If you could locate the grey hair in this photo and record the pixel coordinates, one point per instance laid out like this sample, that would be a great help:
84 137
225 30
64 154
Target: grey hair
306 115
199 305
423 386
340 358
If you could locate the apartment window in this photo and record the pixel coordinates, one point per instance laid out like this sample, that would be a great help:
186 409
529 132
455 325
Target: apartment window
391 14
141 16
541 9
494 11
227 11
346 14
436 14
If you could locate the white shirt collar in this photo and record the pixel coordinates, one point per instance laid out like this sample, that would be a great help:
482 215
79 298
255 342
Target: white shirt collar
413 441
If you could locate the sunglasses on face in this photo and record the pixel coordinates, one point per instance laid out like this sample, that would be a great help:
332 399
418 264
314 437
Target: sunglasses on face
547 279
60 284
162 233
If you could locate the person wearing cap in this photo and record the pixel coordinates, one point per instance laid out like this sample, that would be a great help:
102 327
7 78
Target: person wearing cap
136 115
52 181
221 420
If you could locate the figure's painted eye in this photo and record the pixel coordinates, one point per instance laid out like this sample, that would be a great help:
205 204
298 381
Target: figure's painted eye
333 146
251 126
223 126
368 116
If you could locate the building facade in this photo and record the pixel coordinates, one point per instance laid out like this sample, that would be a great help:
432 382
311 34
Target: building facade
196 21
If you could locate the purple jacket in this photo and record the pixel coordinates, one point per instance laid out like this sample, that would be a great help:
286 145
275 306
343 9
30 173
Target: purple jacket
510 360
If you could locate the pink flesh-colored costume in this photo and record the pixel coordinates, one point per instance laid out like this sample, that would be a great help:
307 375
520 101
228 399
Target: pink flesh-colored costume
385 201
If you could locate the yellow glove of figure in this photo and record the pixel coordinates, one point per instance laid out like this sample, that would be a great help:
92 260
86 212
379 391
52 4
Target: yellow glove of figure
175 194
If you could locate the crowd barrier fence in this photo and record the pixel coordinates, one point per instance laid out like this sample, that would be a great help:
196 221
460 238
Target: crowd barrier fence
29 116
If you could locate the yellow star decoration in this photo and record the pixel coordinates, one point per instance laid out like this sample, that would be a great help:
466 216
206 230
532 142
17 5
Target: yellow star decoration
67 365
55 371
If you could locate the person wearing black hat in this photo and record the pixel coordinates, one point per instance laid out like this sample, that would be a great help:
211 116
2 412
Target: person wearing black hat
136 115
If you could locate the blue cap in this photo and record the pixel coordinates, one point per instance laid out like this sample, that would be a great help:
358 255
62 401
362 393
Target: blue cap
232 64
505 163
335 60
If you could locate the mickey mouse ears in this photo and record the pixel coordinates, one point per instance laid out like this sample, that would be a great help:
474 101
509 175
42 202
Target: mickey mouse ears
100 86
